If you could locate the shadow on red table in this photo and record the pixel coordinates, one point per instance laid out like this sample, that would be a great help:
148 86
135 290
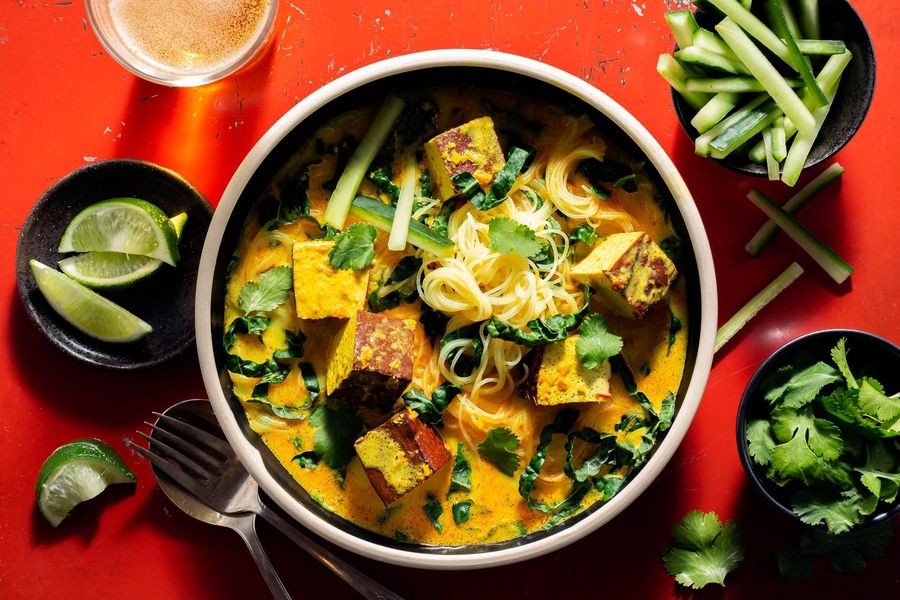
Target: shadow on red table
97 398
84 520
166 125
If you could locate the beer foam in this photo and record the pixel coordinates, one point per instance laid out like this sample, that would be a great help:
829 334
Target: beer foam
190 37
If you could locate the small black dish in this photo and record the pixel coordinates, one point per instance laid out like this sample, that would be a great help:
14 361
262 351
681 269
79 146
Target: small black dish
165 300
839 21
868 354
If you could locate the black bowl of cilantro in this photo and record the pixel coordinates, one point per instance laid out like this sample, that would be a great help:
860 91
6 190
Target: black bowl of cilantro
818 429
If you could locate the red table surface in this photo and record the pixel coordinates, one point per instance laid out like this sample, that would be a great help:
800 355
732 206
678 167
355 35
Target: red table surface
64 102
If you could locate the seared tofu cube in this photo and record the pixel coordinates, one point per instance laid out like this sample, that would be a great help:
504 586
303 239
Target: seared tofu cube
371 359
400 454
472 147
630 272
557 377
320 290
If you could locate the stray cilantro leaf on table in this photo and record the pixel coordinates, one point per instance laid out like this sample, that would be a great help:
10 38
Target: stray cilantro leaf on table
268 292
354 248
499 449
595 343
508 236
702 550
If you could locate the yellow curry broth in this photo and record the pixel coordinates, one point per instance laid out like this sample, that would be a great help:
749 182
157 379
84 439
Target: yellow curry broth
498 511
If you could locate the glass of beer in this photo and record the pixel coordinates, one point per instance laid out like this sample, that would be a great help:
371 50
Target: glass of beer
184 43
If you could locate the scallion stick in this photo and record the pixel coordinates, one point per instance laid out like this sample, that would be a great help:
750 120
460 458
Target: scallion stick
345 191
400 226
756 304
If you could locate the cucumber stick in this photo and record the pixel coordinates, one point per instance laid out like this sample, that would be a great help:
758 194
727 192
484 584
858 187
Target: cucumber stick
779 140
359 163
771 163
701 144
776 12
714 111
707 40
743 130
797 201
737 85
755 28
683 26
756 304
827 258
809 18
382 216
828 79
821 47
701 57
763 70
673 72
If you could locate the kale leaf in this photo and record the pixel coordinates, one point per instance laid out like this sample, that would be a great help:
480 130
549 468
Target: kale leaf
431 410
461 475
469 187
462 511
336 430
434 510
405 273
242 326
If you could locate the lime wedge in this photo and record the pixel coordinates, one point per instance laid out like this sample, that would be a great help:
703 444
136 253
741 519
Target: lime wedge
114 270
88 311
125 225
76 472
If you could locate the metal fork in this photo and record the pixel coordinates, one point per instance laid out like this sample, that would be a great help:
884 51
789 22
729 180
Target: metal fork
206 466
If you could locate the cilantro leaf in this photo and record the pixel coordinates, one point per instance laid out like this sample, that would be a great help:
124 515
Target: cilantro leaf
461 476
839 513
462 511
434 510
760 441
807 444
499 449
878 474
702 550
269 292
873 400
508 236
794 564
336 430
595 343
802 387
354 248
839 358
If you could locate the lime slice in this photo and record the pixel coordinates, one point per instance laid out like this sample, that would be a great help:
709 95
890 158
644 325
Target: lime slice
88 311
76 472
125 225
114 270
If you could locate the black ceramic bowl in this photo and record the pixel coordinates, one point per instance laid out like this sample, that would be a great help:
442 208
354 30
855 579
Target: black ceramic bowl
165 300
840 21
868 354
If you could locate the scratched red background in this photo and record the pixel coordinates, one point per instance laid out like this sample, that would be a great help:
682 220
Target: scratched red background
64 102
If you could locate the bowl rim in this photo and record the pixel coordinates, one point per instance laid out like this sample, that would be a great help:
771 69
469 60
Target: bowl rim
489 59
759 483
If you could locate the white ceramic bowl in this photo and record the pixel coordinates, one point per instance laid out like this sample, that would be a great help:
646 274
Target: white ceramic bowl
220 242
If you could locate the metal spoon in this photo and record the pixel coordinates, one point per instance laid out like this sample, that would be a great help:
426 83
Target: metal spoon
243 524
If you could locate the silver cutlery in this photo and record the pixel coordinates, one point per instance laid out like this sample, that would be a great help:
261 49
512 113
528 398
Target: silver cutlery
205 465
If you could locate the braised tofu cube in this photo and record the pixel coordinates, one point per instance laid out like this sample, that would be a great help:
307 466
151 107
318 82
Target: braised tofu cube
557 377
629 271
472 147
320 290
370 361
400 454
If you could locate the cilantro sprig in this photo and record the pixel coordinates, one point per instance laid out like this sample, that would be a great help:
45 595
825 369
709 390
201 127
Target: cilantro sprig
354 248
268 292
499 449
827 442
703 550
596 343
508 236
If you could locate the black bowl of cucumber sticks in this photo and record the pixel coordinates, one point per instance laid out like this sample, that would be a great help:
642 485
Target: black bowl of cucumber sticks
818 429
773 89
